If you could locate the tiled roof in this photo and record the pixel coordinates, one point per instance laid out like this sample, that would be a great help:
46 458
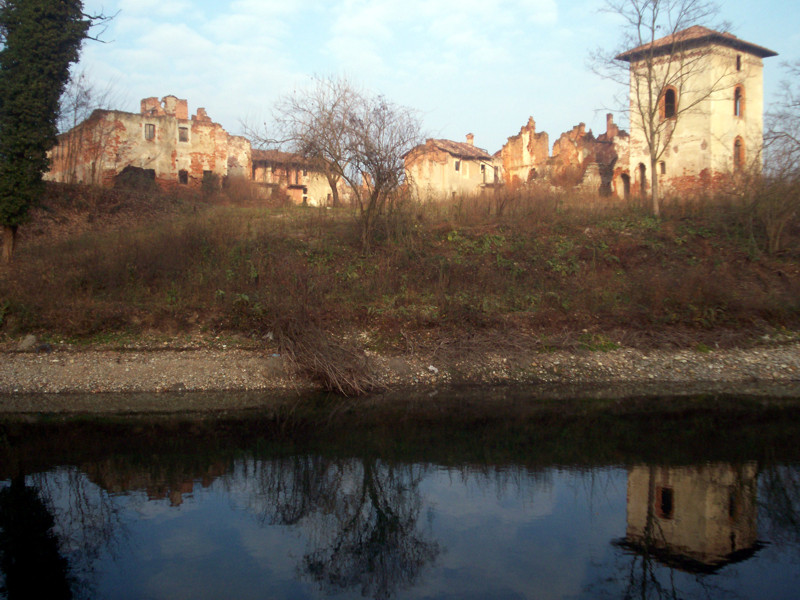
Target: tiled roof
459 149
278 157
696 35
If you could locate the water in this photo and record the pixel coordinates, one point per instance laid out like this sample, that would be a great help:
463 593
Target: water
210 510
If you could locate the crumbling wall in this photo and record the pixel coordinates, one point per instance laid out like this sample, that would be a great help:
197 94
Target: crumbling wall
573 151
297 178
577 158
160 138
524 156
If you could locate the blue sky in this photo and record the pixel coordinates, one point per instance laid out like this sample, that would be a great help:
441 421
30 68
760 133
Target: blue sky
480 66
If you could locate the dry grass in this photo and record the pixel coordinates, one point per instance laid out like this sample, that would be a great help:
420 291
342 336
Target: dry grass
542 267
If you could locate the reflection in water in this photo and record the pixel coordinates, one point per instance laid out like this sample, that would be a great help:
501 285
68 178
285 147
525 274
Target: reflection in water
360 516
312 525
53 528
693 519
699 518
780 504
30 552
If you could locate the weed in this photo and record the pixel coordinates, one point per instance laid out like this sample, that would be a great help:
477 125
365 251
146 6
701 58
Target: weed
545 263
596 343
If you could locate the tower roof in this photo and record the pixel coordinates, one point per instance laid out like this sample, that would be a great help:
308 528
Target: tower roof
694 37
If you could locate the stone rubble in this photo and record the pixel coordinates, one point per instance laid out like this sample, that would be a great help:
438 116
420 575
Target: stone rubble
170 370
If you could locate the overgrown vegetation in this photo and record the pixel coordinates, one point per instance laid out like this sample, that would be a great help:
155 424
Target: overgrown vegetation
551 271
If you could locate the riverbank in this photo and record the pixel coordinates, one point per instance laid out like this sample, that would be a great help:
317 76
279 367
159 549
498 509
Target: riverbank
166 370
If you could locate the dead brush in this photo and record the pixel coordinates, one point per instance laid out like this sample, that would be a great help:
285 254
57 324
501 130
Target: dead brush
338 366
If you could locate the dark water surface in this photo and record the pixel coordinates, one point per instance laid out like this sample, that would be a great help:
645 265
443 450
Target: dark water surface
701 501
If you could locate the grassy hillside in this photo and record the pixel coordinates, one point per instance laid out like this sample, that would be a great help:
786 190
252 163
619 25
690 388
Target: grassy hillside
547 270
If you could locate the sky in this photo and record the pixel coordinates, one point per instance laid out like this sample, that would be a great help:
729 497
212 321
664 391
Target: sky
467 66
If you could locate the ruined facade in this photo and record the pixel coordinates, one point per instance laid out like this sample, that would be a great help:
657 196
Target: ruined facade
698 518
443 168
160 140
283 172
710 102
524 156
577 159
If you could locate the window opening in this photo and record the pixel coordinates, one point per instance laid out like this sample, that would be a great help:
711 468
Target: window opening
663 166
738 101
183 134
183 177
738 62
458 165
626 186
665 502
149 131
733 504
670 103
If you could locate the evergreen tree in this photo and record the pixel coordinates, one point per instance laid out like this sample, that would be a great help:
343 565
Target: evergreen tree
41 39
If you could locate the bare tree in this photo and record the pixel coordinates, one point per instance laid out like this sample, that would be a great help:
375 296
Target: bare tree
664 63
782 131
81 98
352 136
776 195
313 123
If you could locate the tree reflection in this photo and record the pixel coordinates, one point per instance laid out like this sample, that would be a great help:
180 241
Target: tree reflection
780 504
54 527
362 517
30 552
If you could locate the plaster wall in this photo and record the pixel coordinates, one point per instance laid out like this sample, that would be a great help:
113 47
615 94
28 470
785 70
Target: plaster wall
298 182
159 138
436 174
713 509
701 149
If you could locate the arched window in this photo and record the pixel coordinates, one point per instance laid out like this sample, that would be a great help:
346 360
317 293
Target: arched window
738 154
738 101
669 103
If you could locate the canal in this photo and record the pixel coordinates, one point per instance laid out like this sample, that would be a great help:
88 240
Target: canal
471 495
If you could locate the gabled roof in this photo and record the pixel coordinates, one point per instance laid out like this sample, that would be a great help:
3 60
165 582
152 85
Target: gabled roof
693 37
278 157
458 149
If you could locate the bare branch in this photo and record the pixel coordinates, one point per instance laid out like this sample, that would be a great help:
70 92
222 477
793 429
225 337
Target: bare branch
350 135
659 62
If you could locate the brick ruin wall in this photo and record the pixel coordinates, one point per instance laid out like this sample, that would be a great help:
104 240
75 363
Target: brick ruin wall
161 138
527 159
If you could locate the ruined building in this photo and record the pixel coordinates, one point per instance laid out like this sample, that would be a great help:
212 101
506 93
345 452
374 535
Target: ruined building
708 115
440 168
283 172
698 519
593 164
161 141
710 108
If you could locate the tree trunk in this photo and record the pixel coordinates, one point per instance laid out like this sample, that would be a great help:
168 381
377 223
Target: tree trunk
9 241
335 192
654 187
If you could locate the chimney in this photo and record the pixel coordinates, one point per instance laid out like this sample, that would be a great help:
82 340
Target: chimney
470 139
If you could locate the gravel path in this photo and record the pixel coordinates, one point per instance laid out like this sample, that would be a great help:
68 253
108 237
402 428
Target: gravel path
92 371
